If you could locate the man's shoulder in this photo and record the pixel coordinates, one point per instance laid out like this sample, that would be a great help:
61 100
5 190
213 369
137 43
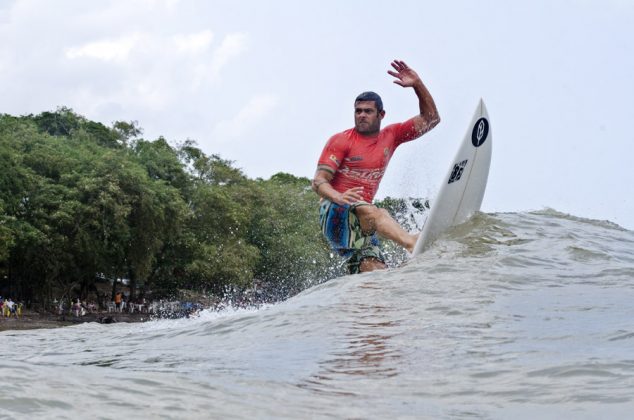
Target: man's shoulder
393 127
345 133
400 130
343 136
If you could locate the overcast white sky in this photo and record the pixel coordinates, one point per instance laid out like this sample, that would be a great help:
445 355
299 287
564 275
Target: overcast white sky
266 83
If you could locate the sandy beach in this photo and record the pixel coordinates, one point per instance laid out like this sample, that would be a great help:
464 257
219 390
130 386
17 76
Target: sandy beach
34 320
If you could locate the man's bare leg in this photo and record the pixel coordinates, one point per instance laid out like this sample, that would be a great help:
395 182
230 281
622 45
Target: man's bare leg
373 218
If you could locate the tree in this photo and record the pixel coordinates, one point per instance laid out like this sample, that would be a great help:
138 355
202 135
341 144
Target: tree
285 229
126 131
81 201
59 123
210 169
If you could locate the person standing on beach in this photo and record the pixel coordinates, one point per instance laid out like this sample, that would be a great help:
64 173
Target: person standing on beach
117 301
351 167
14 309
8 304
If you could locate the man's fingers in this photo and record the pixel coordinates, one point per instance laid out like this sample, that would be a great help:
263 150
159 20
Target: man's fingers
349 200
353 195
399 65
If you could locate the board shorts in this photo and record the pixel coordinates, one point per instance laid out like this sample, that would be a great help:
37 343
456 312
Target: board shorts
342 229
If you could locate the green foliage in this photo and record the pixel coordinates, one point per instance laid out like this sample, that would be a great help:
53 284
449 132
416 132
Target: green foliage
211 169
6 236
408 213
126 131
404 210
81 201
59 123
101 134
285 229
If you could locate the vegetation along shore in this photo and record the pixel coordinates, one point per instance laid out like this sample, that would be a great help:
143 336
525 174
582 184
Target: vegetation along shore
87 211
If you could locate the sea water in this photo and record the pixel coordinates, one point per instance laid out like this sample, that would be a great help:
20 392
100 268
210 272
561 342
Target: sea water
518 315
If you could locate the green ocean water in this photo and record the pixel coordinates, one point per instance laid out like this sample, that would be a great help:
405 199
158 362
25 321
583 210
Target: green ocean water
514 315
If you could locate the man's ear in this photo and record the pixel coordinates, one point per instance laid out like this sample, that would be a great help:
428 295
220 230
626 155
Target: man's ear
381 114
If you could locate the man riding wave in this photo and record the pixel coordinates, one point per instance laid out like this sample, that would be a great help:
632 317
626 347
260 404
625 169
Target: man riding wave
350 170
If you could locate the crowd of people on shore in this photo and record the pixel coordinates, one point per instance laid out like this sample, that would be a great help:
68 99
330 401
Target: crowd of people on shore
106 306
9 308
123 304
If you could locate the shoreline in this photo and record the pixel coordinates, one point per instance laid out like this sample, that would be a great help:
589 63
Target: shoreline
34 320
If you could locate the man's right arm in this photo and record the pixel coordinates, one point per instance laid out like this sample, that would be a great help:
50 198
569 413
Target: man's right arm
321 185
331 157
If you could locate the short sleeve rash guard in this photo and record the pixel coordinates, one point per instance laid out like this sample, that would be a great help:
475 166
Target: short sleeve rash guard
360 161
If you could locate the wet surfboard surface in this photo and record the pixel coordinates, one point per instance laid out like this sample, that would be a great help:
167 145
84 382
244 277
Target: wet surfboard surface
462 190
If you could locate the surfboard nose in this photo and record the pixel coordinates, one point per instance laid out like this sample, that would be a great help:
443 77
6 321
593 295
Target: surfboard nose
483 108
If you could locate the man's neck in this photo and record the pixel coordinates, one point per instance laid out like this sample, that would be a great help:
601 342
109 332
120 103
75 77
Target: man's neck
369 134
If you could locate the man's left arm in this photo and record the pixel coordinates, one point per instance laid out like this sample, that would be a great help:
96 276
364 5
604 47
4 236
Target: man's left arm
428 117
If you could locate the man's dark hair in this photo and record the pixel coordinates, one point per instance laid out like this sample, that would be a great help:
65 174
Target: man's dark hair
371 96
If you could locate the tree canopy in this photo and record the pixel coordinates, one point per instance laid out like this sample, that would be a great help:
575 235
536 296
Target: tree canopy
80 202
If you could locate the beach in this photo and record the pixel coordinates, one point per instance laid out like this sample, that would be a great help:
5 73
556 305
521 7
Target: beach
34 320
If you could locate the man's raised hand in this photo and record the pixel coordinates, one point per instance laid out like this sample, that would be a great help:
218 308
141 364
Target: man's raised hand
405 76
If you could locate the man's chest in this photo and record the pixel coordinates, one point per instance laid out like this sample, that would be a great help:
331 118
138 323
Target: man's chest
365 155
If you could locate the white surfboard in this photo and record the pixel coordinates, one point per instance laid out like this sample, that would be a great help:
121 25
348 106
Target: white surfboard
462 190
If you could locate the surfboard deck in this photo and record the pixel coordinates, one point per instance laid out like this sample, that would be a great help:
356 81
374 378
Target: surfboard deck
462 190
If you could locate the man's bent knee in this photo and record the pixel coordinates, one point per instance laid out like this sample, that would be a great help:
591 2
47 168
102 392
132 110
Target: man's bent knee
368 216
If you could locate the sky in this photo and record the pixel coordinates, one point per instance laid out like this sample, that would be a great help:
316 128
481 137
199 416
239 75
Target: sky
265 84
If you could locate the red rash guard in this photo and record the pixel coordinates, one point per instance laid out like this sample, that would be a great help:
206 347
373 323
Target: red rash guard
360 161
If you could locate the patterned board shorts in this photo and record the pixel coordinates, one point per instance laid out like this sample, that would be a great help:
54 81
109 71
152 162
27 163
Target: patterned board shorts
342 229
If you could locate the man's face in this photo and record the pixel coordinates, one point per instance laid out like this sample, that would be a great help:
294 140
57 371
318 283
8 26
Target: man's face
367 119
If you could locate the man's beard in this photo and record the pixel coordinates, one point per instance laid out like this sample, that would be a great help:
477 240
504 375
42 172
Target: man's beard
370 129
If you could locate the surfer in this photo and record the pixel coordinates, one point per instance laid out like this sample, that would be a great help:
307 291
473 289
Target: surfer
350 169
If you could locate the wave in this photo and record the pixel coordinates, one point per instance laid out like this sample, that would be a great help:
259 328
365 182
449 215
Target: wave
506 313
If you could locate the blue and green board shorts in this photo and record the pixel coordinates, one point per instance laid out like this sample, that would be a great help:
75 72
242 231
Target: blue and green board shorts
342 229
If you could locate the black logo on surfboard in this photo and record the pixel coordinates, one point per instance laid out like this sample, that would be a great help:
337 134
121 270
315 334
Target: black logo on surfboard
457 170
480 132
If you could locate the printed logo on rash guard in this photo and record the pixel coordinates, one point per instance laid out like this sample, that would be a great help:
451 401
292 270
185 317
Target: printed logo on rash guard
334 159
366 174
354 159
